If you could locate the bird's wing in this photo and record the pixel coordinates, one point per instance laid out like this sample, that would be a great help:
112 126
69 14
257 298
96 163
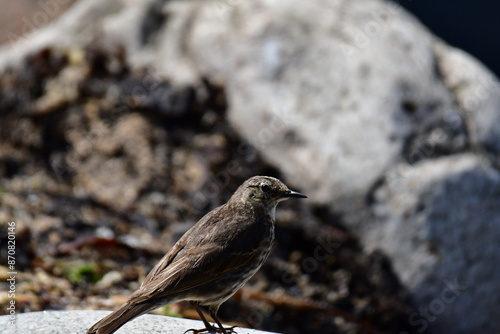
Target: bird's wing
199 258
188 239
193 269
164 262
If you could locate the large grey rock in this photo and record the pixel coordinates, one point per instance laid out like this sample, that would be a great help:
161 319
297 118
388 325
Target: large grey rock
345 90
439 223
65 322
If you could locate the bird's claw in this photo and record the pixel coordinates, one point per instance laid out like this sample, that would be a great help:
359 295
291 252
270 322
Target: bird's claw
230 330
213 330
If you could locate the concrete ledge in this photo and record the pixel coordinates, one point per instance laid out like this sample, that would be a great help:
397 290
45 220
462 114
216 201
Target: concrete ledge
65 322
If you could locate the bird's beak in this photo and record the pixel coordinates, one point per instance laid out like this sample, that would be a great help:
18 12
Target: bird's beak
291 193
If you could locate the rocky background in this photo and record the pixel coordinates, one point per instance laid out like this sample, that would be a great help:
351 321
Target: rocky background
122 123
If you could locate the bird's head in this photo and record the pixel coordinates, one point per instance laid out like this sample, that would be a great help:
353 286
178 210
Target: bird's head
264 191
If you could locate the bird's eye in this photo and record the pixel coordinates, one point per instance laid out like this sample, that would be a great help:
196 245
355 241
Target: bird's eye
265 188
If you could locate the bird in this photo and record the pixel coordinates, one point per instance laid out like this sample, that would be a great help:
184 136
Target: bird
212 260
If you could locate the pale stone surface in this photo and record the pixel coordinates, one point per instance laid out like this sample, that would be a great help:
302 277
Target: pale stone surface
77 322
439 224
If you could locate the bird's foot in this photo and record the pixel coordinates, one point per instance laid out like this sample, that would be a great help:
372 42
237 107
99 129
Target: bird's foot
213 330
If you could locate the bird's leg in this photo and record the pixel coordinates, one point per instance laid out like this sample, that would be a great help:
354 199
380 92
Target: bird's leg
231 330
208 327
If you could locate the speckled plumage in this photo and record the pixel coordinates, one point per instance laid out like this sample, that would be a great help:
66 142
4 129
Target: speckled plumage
212 260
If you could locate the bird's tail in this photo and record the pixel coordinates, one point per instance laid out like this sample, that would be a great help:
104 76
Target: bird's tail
118 318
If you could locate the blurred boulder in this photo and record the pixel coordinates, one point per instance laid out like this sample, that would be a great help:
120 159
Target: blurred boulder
439 223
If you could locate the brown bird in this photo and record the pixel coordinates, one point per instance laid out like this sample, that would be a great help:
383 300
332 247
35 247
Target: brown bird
213 259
